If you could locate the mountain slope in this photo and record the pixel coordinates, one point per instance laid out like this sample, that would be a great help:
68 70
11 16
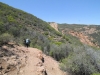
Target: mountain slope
18 25
88 34
74 56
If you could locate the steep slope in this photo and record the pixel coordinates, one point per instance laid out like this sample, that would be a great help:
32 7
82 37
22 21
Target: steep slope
75 57
83 38
28 62
88 34
18 25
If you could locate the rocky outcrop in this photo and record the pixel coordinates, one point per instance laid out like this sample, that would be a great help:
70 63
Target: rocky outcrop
54 25
11 60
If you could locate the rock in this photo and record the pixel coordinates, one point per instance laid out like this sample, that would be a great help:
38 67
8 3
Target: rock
40 56
4 47
39 64
13 57
41 70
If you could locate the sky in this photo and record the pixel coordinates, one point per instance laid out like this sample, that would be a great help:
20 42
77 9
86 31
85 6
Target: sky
61 11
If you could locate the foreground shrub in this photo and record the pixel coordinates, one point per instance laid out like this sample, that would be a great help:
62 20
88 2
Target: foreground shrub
96 74
81 62
5 38
60 52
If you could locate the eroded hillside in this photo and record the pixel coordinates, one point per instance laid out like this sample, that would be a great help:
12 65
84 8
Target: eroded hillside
88 34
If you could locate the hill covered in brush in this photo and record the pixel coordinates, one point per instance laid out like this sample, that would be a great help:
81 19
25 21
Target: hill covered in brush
88 34
75 57
17 25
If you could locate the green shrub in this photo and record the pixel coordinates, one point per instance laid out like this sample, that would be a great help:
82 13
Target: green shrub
50 38
96 74
58 43
62 65
5 38
81 61
11 19
51 53
37 46
58 33
46 33
65 37
15 31
2 27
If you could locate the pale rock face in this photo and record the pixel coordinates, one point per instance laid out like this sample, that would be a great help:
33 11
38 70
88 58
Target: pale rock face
54 25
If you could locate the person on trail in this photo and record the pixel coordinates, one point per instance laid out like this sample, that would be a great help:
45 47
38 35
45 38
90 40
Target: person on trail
27 42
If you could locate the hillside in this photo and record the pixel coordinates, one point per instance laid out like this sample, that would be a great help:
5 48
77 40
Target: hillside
88 34
18 25
71 48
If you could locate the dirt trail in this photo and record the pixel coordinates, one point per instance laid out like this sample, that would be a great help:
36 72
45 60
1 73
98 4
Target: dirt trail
33 63
16 60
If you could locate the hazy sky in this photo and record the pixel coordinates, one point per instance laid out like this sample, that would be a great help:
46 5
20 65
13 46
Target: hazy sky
61 11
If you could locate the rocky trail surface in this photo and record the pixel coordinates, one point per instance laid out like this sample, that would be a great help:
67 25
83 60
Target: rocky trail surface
19 60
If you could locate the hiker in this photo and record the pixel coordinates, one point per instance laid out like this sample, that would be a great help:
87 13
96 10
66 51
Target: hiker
27 42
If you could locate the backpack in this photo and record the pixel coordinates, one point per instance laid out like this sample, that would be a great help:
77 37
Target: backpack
27 41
